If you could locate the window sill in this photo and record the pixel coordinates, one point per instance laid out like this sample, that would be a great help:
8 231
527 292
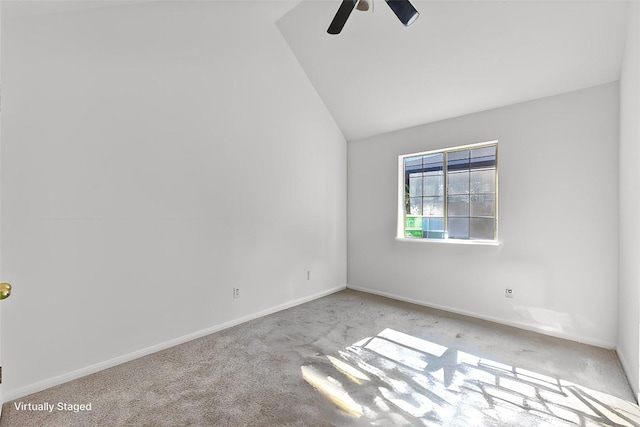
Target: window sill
451 241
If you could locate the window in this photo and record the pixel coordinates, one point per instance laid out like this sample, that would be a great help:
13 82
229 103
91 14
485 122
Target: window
450 194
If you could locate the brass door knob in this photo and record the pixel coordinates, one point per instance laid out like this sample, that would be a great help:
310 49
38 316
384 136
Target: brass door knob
5 290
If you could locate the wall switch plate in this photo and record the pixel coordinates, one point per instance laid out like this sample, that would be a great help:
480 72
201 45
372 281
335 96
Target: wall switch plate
508 293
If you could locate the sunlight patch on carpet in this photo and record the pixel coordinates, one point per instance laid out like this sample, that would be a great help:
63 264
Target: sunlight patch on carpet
396 377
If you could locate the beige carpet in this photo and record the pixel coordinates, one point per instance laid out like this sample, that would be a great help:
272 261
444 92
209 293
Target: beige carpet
350 359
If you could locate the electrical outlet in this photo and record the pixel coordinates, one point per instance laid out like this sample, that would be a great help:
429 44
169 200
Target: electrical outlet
508 293
236 292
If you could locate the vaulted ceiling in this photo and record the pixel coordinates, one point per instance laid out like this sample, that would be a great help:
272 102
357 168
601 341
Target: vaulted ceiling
459 57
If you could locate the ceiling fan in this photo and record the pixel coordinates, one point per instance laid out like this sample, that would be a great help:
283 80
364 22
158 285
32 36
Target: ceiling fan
403 9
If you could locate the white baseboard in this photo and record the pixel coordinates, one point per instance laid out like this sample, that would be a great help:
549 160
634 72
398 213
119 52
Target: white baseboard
9 395
625 367
520 325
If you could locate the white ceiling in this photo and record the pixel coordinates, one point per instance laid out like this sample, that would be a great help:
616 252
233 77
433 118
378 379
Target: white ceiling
459 57
12 9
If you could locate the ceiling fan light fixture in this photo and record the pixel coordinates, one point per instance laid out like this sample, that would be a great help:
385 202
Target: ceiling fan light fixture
363 5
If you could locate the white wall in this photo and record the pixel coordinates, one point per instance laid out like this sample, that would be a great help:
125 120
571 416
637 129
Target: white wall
557 212
153 158
629 176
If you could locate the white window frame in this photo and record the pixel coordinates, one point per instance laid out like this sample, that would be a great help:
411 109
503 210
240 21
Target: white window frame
400 235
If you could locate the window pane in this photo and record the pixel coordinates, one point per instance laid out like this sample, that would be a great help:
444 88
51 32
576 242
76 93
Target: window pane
413 226
433 185
413 164
433 224
433 159
482 228
458 206
413 223
415 185
483 157
433 228
458 160
458 228
415 206
484 152
483 205
483 181
458 183
436 224
433 165
459 155
433 206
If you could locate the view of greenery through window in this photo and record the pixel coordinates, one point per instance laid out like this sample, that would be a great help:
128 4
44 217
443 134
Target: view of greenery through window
451 194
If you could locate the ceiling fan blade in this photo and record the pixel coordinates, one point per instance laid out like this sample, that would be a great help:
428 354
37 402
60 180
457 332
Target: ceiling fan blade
404 10
341 16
